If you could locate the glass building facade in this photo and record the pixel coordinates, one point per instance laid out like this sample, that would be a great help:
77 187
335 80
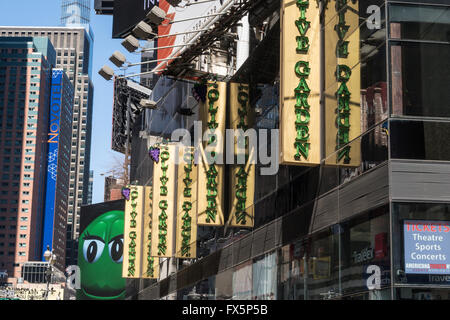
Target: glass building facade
339 231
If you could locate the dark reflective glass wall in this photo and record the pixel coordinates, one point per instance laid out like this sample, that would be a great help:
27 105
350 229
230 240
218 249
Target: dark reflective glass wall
422 140
335 262
419 49
420 79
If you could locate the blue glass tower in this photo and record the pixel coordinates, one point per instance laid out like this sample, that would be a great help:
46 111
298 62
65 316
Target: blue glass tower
75 12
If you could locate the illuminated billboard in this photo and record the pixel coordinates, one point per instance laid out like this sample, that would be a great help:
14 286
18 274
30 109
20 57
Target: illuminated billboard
186 230
242 178
211 170
163 202
100 251
342 84
185 25
300 140
52 155
426 247
150 265
132 242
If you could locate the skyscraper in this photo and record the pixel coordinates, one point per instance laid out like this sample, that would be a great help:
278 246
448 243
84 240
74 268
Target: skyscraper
75 12
25 70
73 43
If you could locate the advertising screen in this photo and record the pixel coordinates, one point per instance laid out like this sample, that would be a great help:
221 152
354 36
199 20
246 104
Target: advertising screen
52 164
100 251
186 23
427 247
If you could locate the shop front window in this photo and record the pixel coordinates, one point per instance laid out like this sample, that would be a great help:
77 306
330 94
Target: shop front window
350 260
242 282
322 268
366 254
224 282
265 277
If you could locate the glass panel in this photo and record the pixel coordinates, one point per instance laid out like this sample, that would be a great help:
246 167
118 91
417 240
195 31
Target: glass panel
365 251
265 277
367 152
423 140
242 282
418 80
373 148
419 22
323 267
224 280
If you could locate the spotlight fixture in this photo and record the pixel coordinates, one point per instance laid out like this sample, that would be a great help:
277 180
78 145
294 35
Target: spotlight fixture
156 15
148 104
106 72
130 43
118 59
143 31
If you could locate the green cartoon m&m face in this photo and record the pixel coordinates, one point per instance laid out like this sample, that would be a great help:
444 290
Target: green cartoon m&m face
100 256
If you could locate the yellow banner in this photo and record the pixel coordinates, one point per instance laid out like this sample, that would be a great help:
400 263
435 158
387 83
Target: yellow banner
150 265
342 84
211 156
163 202
242 179
186 235
300 114
132 242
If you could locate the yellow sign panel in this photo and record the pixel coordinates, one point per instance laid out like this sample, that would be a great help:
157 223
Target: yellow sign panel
132 242
210 164
242 175
342 84
150 265
163 203
300 83
186 235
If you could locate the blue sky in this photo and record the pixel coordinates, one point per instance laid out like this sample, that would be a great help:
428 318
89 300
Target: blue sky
48 13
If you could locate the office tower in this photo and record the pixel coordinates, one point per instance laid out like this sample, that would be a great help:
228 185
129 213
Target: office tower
25 72
73 45
91 186
58 166
75 12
